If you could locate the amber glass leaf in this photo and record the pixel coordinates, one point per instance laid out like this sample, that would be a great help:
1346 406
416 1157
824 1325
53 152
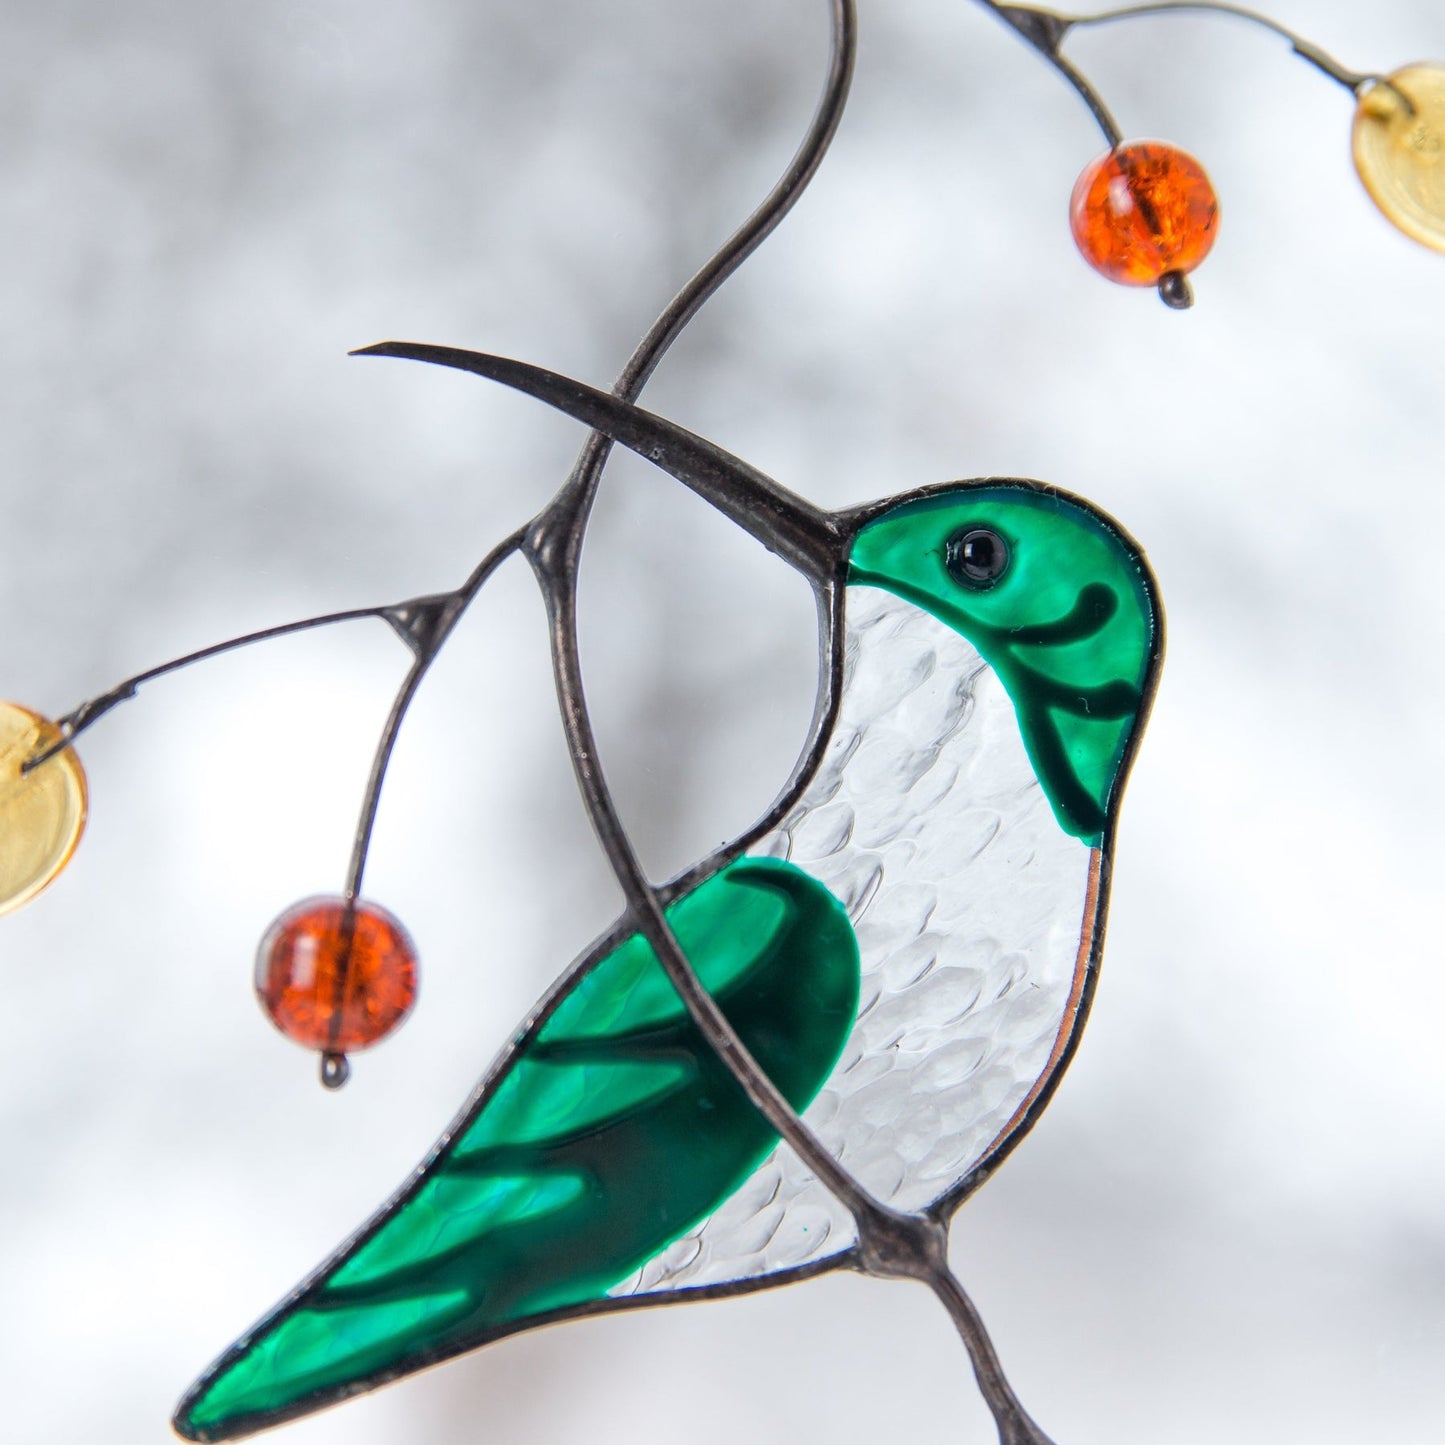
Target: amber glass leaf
1399 143
42 812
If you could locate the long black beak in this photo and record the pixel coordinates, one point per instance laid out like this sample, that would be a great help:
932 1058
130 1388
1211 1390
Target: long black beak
800 533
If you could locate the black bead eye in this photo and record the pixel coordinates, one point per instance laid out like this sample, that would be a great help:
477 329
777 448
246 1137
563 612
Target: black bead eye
976 557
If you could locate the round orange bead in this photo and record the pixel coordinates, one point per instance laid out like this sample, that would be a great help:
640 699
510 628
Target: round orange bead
336 976
1143 212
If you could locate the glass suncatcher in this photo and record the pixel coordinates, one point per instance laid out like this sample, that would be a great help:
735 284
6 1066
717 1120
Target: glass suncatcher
892 967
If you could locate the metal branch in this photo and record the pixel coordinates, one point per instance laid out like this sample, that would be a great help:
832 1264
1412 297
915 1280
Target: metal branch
1015 1425
553 546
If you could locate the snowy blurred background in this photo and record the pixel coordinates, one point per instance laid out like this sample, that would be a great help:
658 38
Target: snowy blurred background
1231 1223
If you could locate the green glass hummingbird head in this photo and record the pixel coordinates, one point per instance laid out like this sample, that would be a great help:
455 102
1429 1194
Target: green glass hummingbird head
1056 597
1059 602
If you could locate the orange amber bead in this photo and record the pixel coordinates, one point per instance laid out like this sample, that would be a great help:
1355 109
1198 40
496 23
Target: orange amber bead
336 976
1143 211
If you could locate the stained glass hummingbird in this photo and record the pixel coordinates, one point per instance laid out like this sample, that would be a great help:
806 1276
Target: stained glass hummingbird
906 944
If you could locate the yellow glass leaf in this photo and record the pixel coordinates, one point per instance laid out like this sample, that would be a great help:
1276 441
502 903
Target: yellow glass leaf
42 812
1399 142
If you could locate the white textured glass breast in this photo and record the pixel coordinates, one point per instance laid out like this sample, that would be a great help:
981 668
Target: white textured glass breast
926 821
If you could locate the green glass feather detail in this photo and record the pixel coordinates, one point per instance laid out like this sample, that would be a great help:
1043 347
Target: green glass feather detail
1070 626
612 1131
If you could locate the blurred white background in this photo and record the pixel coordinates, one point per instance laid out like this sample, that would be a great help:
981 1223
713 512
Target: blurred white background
1230 1223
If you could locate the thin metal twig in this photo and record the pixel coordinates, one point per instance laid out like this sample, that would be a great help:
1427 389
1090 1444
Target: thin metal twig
439 624
1307 50
78 719
1045 31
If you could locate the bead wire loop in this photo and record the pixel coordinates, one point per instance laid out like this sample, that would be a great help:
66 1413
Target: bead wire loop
335 1070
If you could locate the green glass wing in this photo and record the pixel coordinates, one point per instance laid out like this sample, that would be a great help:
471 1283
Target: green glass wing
610 1131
